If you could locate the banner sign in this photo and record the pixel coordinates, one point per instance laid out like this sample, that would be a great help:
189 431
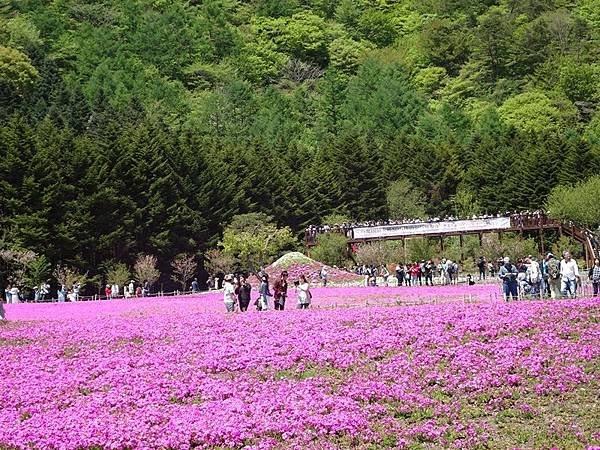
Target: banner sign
433 228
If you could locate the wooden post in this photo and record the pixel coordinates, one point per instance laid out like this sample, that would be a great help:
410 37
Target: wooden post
500 236
542 241
587 256
442 243
480 239
460 240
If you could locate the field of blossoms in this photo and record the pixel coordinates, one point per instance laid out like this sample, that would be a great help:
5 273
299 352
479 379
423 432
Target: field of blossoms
180 373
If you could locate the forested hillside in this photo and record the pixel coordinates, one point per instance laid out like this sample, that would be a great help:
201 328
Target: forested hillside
130 126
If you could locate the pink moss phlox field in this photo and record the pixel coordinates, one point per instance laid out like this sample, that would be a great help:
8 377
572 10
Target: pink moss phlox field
174 373
213 301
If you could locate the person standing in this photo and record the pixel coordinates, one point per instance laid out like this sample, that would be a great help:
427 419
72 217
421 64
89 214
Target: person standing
569 276
400 274
414 273
323 275
146 289
114 290
62 293
131 288
304 294
44 290
429 268
195 287
553 269
481 267
385 273
14 294
421 272
243 292
76 289
107 291
229 293
508 274
595 277
534 275
444 272
7 294
491 269
2 313
264 292
280 288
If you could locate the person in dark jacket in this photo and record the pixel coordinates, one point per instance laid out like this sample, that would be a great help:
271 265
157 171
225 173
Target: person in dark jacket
508 274
242 291
280 291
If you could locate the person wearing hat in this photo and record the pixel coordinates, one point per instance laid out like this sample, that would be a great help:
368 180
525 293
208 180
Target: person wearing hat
229 293
508 274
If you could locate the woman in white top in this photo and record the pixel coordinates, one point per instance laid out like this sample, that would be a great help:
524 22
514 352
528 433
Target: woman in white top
229 293
14 293
304 295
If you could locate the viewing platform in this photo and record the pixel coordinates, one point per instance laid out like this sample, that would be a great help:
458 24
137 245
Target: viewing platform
513 223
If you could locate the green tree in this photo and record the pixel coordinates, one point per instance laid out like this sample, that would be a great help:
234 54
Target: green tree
118 273
17 74
578 203
331 249
38 271
254 239
465 204
404 201
534 112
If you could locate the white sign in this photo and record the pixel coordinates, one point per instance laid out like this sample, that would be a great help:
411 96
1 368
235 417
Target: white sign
434 228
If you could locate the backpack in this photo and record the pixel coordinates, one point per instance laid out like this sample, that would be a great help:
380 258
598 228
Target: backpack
553 269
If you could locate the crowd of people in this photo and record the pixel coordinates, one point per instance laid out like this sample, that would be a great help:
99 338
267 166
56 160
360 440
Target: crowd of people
237 292
72 293
550 277
346 228
412 274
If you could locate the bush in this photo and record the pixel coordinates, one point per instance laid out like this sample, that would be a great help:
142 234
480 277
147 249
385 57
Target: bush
331 249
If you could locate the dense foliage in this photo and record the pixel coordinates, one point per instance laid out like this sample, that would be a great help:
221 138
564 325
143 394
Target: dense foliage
144 126
580 203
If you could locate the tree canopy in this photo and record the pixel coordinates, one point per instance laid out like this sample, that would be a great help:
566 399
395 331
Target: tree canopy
132 127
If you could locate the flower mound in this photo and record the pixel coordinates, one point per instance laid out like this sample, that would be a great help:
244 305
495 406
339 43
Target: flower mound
296 264
163 373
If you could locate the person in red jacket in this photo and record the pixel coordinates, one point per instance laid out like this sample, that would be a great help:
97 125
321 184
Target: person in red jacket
414 273
107 291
